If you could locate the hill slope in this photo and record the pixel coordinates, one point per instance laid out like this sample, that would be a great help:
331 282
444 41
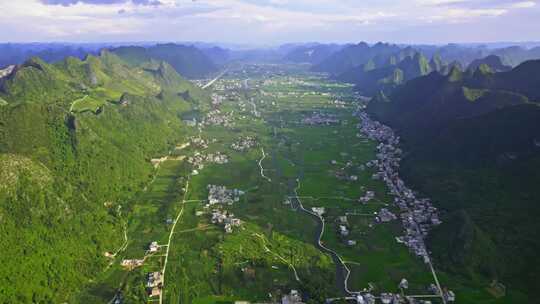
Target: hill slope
313 54
356 55
370 79
188 61
492 61
473 145
75 142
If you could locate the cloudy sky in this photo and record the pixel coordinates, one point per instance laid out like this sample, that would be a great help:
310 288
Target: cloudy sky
265 22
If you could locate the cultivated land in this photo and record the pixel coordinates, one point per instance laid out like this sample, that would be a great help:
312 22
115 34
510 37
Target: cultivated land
293 163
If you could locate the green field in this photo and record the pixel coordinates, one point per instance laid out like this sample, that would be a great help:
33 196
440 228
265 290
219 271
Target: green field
274 250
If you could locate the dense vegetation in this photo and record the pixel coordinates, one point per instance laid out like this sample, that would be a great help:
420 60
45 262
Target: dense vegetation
186 60
473 146
18 53
400 68
356 55
67 170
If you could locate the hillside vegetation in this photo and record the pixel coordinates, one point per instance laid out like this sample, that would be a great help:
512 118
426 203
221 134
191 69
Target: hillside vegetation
186 60
75 142
473 145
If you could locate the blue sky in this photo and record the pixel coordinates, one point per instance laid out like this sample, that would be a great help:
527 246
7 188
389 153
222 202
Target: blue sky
270 22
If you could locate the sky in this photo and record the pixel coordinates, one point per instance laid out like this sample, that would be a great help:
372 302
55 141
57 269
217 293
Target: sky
270 22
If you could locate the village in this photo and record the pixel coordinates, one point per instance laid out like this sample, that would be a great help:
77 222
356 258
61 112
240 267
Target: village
244 143
219 207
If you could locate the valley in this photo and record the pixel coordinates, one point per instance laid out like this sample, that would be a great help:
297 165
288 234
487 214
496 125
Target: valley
269 152
296 206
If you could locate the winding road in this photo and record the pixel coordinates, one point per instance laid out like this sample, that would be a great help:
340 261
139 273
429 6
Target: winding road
260 166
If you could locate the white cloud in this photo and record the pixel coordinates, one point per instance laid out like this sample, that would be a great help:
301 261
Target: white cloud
524 4
250 20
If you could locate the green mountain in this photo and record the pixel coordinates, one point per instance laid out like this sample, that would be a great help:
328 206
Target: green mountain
494 63
354 56
188 61
473 145
311 53
371 80
76 138
515 55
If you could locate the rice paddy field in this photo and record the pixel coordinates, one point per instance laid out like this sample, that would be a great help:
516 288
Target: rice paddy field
274 249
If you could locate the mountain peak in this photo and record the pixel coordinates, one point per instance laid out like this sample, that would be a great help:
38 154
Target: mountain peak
455 74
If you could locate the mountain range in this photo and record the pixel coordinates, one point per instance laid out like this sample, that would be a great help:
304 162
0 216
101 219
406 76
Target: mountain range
472 143
188 61
76 138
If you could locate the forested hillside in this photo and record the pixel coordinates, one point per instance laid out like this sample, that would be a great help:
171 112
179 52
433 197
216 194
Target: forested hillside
473 145
189 61
76 138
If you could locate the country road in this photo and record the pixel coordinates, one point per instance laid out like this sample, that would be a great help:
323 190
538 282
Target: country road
169 241
262 169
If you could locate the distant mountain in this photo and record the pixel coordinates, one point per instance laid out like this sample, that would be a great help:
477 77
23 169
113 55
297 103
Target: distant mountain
218 55
313 54
494 63
515 55
356 55
455 52
402 67
511 55
426 104
17 53
188 61
472 144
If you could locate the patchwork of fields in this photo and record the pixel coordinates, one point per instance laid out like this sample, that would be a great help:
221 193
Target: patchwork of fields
273 250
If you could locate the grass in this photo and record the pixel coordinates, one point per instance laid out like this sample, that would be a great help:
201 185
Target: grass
212 262
206 265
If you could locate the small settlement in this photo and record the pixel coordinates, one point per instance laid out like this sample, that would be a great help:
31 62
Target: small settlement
417 215
244 143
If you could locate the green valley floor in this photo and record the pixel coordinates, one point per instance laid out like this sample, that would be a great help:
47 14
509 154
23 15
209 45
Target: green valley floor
276 137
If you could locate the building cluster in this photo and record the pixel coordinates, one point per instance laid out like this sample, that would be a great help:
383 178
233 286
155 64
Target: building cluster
319 118
244 143
222 195
217 100
131 263
198 159
294 297
154 284
225 219
417 215
318 210
153 247
218 118
343 230
339 103
198 142
368 196
385 215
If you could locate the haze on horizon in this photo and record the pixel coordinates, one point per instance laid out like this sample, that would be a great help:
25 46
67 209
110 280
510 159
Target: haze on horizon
270 22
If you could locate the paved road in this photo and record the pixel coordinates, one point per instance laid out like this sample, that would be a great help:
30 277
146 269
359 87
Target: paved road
215 79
